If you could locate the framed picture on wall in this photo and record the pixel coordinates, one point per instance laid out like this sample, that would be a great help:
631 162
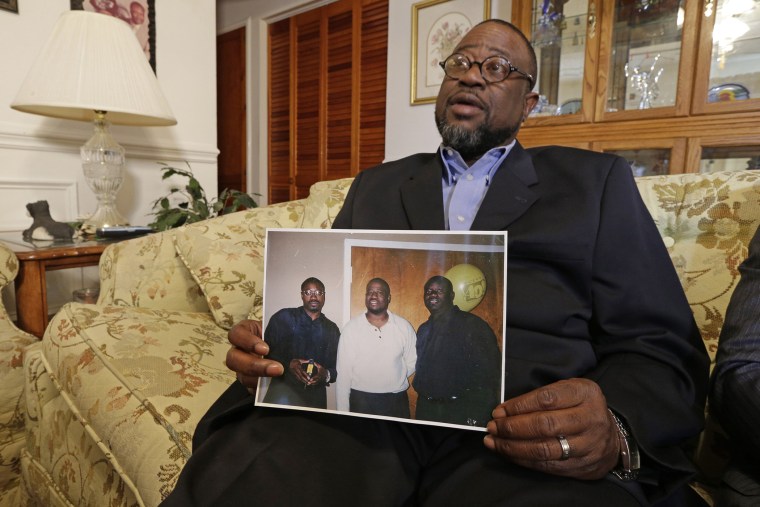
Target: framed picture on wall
400 325
437 27
9 5
140 15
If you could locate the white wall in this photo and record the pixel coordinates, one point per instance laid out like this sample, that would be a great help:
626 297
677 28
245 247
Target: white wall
39 157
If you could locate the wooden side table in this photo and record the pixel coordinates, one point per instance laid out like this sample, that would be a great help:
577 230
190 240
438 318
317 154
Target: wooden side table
37 258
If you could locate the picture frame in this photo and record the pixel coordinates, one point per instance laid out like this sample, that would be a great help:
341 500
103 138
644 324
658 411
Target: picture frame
9 5
140 15
437 27
345 262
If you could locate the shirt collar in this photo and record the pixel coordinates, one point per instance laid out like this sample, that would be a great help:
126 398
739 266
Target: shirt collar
307 315
454 165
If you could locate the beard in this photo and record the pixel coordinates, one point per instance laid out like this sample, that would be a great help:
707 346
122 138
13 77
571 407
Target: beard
472 144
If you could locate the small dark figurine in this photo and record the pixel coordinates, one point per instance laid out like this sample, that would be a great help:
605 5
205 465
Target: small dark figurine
44 227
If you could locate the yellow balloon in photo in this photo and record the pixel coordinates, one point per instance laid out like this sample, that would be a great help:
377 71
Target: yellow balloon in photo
469 285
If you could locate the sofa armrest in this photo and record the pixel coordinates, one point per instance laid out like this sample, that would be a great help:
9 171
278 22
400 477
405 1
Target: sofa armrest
12 343
147 272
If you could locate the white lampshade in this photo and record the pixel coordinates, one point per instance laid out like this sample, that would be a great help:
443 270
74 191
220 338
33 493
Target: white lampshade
93 62
93 69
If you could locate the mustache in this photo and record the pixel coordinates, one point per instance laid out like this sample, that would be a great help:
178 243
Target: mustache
467 97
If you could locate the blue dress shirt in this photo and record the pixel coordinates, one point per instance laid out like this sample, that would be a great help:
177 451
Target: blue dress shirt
465 187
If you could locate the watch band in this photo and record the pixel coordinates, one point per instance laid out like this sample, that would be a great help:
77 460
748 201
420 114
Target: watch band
630 463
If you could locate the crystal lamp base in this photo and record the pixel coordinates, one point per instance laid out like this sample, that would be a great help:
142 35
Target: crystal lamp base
104 216
103 164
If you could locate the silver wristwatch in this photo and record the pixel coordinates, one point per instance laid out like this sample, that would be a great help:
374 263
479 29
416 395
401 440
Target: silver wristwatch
630 463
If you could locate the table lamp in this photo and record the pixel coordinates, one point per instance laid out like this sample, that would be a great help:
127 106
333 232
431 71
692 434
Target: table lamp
93 69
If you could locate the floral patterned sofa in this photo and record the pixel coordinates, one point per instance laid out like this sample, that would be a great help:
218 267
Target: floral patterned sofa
13 341
114 391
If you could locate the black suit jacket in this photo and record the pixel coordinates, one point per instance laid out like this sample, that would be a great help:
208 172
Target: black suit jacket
591 290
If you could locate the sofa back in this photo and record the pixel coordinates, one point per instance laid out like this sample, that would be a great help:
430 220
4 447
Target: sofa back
217 266
706 222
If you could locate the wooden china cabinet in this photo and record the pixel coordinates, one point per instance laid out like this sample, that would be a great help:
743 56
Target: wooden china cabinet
671 85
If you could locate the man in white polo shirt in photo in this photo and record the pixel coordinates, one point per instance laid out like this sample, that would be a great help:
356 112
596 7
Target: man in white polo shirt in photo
376 356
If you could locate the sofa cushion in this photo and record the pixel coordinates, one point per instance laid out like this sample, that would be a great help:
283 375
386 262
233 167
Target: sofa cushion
707 222
324 202
224 256
120 391
147 272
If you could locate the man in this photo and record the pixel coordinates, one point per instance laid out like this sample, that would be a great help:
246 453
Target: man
307 342
598 332
376 356
458 377
137 14
735 393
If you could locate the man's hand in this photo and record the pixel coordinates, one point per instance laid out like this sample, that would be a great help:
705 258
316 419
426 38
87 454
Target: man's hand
525 429
318 374
245 357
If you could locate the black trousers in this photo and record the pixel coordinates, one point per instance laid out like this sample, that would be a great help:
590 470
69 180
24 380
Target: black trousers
246 455
387 404
471 409
283 391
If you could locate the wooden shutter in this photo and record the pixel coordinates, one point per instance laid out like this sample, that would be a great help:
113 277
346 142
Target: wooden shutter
340 88
374 60
309 76
279 112
336 69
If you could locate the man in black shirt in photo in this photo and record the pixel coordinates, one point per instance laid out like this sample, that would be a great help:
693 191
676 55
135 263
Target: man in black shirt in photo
458 361
306 342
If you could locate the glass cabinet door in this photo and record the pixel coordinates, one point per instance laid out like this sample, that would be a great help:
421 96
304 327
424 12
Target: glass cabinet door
648 157
646 161
559 36
729 78
643 61
729 158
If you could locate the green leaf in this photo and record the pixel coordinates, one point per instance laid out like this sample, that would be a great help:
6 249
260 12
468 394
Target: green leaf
195 207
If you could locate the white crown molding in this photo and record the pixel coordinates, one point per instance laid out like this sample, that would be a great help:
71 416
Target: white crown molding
19 137
298 9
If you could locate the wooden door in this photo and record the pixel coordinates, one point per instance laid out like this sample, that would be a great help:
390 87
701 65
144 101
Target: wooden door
231 110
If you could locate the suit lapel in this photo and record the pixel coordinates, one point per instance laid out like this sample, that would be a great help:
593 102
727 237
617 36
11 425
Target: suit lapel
422 195
508 195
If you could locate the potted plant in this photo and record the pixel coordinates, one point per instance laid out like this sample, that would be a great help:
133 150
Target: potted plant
187 204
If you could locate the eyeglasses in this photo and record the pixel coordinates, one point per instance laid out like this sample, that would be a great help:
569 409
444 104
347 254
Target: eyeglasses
313 292
435 292
376 293
494 69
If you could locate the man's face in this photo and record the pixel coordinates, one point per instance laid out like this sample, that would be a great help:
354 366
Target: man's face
138 13
377 298
474 116
438 297
312 302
